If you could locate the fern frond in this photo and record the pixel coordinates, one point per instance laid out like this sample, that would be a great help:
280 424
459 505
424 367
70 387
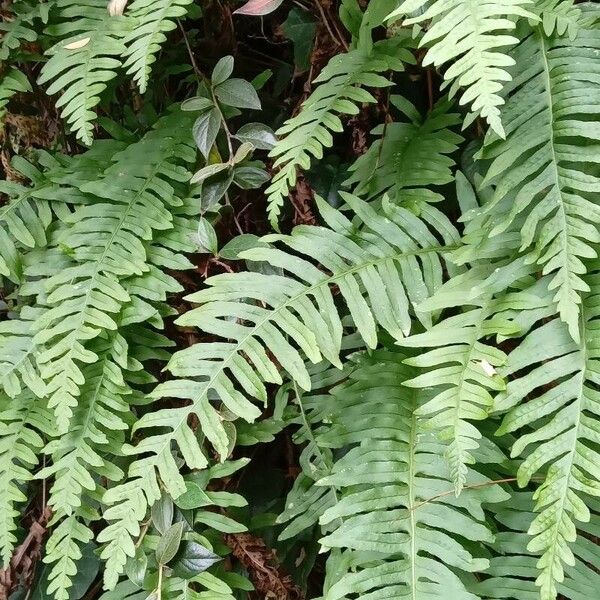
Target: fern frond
549 160
13 82
84 60
408 158
558 16
64 550
154 18
23 422
512 570
559 378
18 366
23 220
339 90
462 364
408 536
104 240
471 38
19 27
397 253
306 502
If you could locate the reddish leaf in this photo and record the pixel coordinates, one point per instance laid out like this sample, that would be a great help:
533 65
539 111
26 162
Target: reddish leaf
258 8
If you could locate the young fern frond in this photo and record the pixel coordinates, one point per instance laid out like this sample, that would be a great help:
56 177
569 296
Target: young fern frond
549 159
471 37
408 158
153 18
84 60
339 91
558 376
408 535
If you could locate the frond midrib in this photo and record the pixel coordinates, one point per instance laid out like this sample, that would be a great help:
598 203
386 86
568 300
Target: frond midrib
306 292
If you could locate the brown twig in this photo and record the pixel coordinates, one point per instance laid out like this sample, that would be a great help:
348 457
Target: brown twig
469 487
338 40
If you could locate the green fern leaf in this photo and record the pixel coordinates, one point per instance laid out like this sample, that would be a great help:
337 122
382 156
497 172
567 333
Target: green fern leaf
18 366
558 16
103 240
338 92
154 18
547 161
407 534
22 420
563 413
470 37
23 220
512 570
461 366
84 60
408 158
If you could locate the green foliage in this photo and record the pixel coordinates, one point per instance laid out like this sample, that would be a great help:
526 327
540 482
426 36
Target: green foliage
472 38
565 430
426 336
391 513
338 92
547 161
153 18
84 60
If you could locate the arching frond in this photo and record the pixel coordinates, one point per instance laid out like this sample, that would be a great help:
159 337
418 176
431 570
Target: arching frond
339 90
471 38
558 427
154 18
549 159
84 60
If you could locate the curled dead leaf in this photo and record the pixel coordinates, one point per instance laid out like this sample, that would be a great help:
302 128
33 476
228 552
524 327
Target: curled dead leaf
77 44
116 7
488 369
258 8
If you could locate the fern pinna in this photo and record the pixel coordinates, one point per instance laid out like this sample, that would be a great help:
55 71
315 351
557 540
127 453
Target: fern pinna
405 330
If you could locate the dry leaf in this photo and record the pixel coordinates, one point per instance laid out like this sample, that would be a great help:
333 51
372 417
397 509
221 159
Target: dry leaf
116 7
488 369
258 8
78 44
